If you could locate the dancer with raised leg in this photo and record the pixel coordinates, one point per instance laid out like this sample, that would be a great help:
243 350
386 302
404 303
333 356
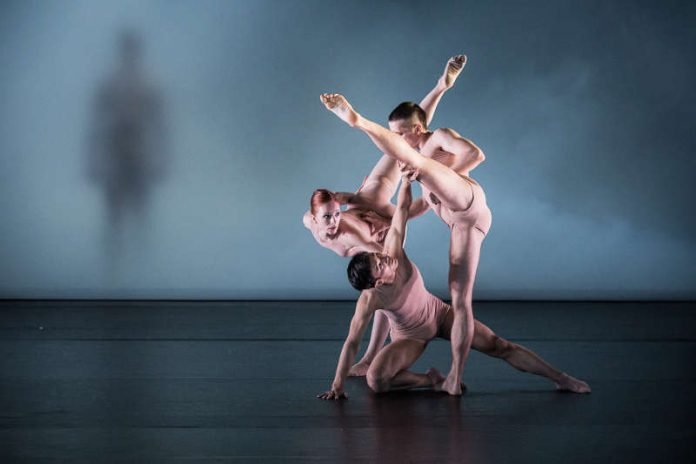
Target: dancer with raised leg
392 285
457 199
364 224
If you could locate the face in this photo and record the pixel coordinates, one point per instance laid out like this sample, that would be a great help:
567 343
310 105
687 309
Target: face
328 216
383 268
410 129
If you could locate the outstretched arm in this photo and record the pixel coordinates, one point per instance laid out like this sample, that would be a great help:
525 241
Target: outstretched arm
380 330
394 241
365 308
453 67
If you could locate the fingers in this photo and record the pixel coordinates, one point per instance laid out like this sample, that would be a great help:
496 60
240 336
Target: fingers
408 172
332 395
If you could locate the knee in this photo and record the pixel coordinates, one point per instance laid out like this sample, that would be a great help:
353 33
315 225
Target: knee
377 382
499 347
461 298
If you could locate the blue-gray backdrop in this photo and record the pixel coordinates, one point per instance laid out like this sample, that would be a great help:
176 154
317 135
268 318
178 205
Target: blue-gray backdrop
585 110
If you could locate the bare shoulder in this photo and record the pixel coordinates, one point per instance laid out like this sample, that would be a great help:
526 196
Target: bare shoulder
369 301
446 133
307 219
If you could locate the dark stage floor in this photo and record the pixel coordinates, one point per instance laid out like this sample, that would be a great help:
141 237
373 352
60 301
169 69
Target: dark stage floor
162 382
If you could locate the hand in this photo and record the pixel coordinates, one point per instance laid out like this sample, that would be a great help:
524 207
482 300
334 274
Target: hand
408 172
359 369
333 394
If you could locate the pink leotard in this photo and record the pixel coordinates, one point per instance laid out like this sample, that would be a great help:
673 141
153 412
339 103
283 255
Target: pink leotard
416 313
477 215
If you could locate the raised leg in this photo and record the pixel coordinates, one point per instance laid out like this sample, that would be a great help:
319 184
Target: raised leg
379 187
389 369
454 192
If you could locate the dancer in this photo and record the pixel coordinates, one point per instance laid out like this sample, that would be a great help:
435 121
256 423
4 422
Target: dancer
364 224
457 199
392 286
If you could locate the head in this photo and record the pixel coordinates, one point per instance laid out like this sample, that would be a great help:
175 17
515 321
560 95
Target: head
409 121
371 270
326 211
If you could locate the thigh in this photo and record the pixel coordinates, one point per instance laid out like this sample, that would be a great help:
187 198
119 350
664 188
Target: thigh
453 191
396 356
484 338
379 187
465 251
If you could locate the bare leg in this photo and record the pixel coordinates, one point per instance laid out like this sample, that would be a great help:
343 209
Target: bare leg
388 371
518 356
452 70
465 250
379 187
454 192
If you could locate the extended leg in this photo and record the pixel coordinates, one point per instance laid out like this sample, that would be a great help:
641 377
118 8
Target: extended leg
453 191
388 371
518 356
523 359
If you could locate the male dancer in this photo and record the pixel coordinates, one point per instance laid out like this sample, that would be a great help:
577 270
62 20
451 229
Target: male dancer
391 282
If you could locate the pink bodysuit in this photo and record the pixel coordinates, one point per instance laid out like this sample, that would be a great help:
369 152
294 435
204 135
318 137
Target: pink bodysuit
477 215
416 313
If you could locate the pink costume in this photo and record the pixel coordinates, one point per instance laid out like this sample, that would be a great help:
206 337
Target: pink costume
477 215
416 313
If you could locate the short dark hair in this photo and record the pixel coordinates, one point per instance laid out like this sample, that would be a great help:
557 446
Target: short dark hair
407 109
360 272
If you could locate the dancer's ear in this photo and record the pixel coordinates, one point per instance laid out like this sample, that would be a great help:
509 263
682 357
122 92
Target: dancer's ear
379 283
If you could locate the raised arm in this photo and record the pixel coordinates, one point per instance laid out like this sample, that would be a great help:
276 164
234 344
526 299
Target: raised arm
394 241
380 330
364 309
453 67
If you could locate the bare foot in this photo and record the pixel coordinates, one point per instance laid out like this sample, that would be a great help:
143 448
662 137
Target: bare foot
436 378
453 386
337 104
453 68
568 383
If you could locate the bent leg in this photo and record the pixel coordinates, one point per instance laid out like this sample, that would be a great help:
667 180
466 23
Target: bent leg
453 191
388 371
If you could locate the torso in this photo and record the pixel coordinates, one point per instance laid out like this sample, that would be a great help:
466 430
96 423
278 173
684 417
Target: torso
413 312
431 149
